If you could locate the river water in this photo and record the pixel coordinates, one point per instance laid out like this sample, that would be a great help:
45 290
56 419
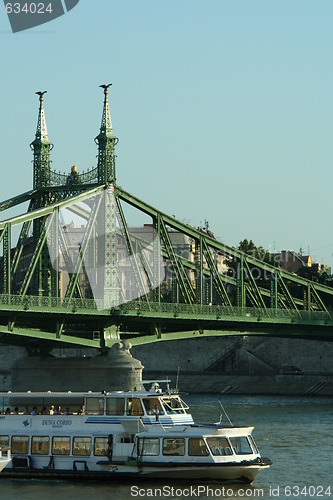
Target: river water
295 433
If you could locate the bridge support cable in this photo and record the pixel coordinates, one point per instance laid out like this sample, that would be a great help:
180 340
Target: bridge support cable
252 285
69 265
157 261
250 296
199 271
20 245
35 260
216 276
78 266
131 253
7 260
318 300
287 295
54 269
274 290
307 298
241 295
181 275
148 270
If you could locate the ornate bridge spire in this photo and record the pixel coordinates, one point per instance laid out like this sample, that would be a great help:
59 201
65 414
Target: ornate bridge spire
41 132
106 141
44 277
41 147
106 124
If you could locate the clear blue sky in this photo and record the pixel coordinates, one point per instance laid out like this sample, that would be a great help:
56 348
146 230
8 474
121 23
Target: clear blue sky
223 108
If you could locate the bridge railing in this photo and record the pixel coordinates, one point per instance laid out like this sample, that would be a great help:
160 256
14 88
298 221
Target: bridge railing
35 301
219 312
61 179
152 309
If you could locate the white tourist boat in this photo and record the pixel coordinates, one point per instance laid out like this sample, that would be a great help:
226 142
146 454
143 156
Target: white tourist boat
139 434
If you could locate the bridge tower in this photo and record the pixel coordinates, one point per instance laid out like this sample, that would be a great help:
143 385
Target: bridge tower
107 220
106 141
41 147
44 279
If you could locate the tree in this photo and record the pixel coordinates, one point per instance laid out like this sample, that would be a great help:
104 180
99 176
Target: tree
250 248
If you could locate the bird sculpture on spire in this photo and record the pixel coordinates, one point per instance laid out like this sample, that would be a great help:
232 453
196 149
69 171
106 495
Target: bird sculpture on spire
41 98
105 87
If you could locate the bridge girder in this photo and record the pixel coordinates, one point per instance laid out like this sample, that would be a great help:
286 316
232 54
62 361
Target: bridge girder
17 311
176 279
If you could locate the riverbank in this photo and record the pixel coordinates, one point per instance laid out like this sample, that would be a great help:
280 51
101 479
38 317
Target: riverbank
241 365
258 385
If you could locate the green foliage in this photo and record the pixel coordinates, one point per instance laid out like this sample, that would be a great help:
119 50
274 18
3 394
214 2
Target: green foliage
250 248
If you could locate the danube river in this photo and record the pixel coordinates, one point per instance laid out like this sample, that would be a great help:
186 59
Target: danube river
295 433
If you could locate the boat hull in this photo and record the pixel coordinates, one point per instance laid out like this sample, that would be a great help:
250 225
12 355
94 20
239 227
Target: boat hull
118 472
217 472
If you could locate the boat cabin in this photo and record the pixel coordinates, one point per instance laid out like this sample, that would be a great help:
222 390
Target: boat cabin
152 404
196 443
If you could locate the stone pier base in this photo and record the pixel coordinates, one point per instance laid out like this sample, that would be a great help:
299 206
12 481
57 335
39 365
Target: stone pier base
116 371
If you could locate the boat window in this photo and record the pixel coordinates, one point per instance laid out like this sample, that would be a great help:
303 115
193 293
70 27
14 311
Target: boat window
94 406
219 446
172 446
241 445
197 447
4 441
134 407
149 446
61 445
254 446
82 446
20 444
115 406
101 445
150 403
40 445
126 438
173 405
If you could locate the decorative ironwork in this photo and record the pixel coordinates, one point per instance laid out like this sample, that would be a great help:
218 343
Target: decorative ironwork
86 177
185 279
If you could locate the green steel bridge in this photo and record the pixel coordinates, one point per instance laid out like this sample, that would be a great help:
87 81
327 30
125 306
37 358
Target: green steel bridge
99 279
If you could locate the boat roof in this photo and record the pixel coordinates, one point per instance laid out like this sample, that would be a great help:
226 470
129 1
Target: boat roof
74 394
194 430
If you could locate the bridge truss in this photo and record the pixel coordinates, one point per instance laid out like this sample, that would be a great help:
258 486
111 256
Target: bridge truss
100 278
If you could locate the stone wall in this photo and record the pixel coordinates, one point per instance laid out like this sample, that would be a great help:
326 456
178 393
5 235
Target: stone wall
84 369
197 354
